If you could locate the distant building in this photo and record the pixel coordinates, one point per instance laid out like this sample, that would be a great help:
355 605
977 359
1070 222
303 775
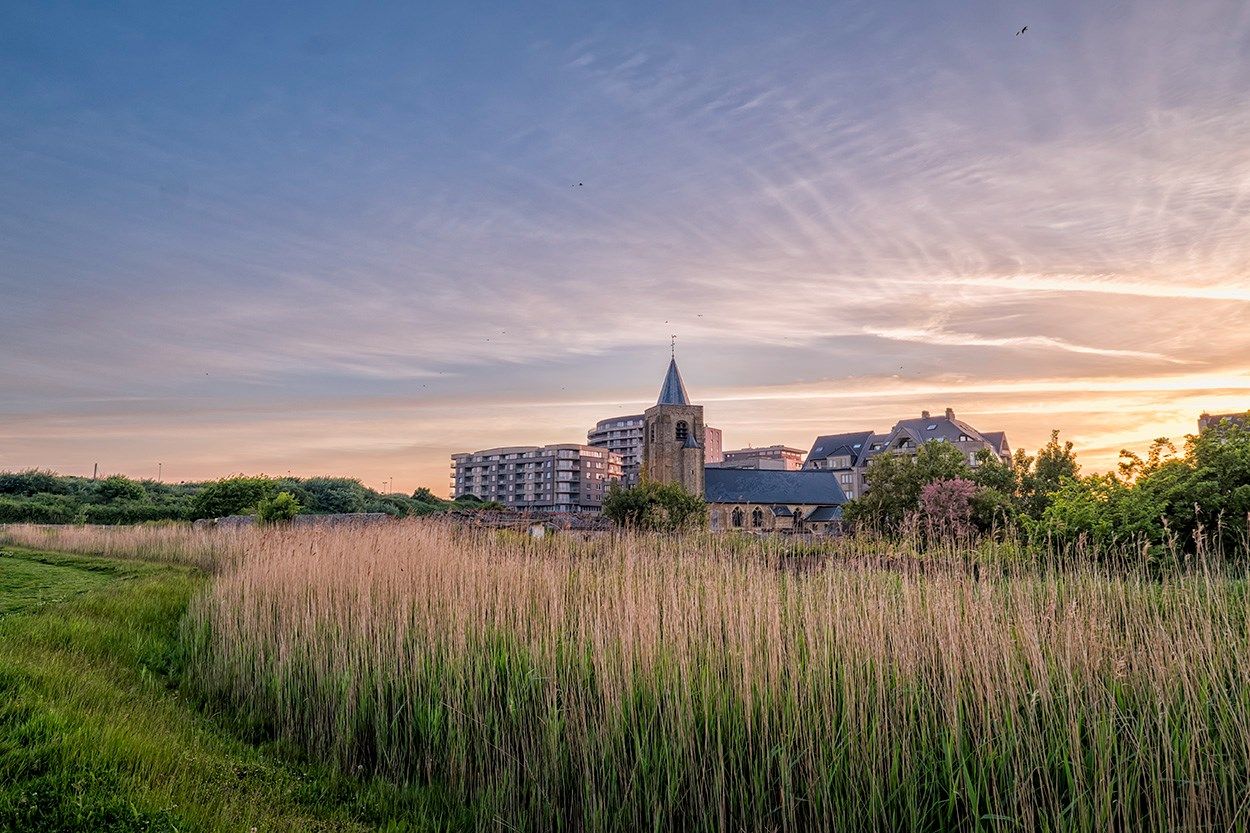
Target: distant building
673 448
565 477
712 445
760 500
774 457
847 455
623 434
1206 420
764 500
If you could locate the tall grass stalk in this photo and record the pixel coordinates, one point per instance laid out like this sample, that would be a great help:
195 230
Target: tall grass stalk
718 683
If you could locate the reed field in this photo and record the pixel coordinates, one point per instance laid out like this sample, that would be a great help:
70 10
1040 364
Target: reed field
703 682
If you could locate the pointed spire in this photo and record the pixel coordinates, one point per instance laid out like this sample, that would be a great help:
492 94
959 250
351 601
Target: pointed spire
674 390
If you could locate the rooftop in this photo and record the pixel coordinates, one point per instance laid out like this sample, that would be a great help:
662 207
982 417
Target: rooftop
674 390
772 486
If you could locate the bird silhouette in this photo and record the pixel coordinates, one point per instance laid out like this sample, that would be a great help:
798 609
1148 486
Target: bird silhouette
1022 31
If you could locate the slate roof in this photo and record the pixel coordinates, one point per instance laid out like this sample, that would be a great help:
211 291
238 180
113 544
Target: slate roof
924 429
674 390
850 444
772 486
998 439
825 513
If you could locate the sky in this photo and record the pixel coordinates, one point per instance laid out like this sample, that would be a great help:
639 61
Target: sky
352 239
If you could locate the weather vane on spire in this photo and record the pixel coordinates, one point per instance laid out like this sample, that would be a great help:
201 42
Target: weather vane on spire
672 346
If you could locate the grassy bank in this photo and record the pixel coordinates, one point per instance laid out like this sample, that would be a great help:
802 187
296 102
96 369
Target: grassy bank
95 736
691 682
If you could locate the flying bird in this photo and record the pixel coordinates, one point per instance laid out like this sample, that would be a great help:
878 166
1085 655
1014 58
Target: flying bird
1022 31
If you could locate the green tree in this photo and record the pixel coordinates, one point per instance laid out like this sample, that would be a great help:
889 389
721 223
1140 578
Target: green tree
336 495
232 496
281 507
895 481
1105 511
665 507
992 510
992 472
1044 474
119 487
41 508
32 482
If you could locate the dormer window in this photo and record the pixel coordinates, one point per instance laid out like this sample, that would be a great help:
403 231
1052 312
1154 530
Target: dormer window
931 427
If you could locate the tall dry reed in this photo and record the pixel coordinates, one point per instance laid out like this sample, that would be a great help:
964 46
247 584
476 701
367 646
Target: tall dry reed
712 683
172 543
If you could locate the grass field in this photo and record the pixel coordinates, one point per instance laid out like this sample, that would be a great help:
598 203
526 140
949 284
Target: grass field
711 682
95 735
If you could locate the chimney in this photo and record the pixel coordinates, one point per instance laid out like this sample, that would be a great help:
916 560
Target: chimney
924 414
950 413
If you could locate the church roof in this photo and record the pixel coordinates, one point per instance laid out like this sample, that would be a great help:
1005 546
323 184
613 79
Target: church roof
772 486
674 390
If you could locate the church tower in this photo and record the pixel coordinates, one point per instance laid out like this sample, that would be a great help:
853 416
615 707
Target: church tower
672 442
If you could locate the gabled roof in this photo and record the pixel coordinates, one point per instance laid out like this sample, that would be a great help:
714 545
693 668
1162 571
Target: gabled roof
850 444
772 486
674 390
868 452
933 428
998 439
825 513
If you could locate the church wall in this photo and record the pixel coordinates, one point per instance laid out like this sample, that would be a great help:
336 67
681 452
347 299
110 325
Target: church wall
665 459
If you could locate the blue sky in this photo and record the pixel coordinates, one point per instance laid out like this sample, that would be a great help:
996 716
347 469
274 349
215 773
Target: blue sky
324 238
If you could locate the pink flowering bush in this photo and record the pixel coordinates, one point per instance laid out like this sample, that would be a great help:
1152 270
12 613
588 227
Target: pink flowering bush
946 506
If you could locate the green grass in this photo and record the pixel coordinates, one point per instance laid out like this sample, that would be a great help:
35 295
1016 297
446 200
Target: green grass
95 734
28 584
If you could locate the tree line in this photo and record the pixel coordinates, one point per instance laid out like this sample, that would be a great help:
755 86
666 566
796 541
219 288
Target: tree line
37 496
1173 499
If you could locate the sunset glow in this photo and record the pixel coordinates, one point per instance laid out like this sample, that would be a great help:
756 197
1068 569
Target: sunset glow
353 241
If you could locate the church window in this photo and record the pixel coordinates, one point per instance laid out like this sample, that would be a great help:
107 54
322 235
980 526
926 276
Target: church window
757 517
737 516
683 430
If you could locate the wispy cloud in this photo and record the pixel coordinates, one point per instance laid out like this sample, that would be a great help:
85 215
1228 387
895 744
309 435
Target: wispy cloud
843 212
